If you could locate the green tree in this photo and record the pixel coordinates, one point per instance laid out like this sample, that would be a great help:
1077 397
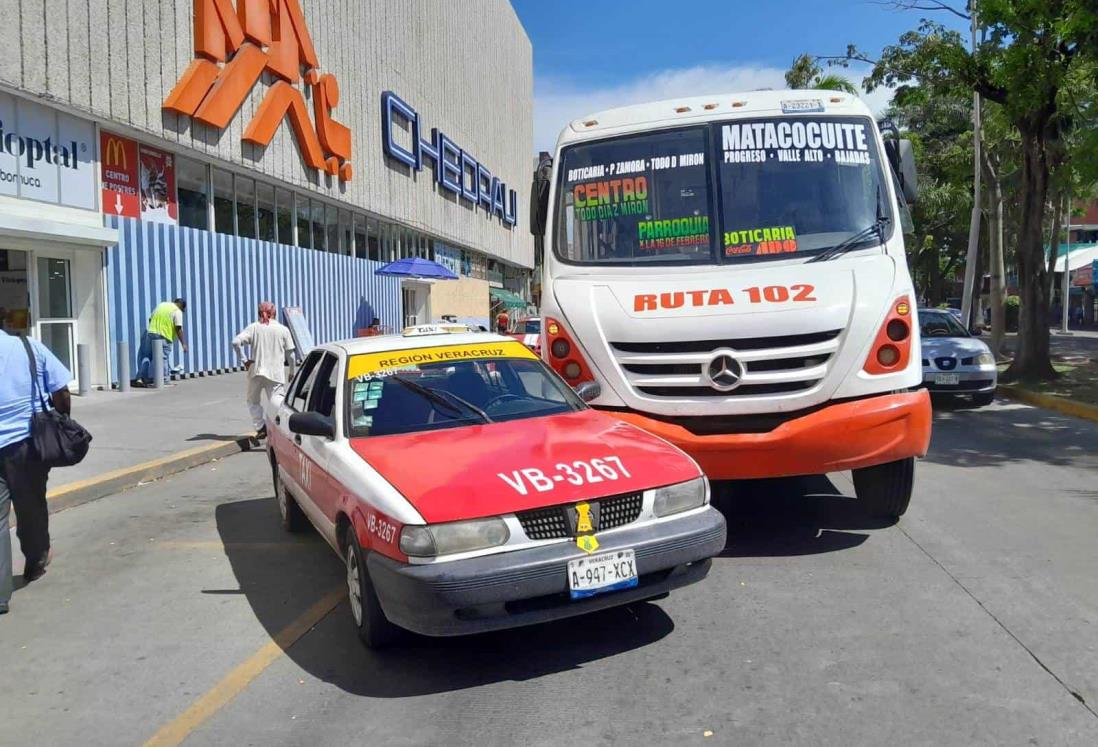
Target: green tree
1031 50
806 73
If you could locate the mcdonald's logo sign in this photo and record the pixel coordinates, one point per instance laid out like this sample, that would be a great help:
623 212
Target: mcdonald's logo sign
233 46
114 153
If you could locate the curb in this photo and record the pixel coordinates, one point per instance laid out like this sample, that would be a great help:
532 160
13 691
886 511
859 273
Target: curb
108 483
1059 404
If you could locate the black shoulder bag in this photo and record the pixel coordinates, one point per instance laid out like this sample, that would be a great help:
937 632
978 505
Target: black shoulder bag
56 439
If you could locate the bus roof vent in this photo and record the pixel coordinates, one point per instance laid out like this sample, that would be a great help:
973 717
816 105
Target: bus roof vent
710 107
681 109
738 104
590 123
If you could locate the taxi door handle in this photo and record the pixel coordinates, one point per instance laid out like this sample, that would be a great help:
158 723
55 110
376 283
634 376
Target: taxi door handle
278 420
297 439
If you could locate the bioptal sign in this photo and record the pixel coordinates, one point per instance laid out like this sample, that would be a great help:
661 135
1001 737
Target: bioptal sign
233 46
46 155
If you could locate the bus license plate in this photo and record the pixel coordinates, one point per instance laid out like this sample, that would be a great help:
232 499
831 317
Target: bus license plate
599 574
947 379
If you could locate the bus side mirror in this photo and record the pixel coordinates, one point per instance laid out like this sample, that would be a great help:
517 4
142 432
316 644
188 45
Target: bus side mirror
539 196
909 174
588 390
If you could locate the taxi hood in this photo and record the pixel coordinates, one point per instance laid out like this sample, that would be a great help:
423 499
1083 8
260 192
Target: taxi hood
493 469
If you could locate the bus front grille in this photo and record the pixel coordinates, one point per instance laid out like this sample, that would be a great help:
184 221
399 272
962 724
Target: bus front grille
769 365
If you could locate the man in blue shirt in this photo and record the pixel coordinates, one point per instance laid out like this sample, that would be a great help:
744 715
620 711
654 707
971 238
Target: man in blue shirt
22 477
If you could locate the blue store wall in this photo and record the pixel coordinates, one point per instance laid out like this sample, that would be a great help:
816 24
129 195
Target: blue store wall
224 278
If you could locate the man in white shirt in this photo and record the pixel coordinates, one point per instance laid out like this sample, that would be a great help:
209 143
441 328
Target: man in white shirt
268 342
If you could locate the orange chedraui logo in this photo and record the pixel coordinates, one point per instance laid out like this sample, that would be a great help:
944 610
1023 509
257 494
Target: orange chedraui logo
233 46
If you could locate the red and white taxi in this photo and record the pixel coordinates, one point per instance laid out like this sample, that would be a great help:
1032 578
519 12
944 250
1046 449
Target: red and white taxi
528 331
468 488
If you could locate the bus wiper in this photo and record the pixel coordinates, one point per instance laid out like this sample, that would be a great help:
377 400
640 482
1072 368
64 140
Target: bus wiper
436 397
845 246
878 228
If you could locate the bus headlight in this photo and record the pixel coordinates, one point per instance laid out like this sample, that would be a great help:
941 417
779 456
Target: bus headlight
453 537
680 497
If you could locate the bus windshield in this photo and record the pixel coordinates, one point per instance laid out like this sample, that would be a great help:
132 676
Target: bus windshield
748 190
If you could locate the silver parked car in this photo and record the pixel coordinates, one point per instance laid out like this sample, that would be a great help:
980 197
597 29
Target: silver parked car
955 362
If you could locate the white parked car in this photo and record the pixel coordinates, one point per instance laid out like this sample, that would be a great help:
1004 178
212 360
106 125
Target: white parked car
955 362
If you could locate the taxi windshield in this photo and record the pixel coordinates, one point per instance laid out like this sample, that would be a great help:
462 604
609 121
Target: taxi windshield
449 394
729 192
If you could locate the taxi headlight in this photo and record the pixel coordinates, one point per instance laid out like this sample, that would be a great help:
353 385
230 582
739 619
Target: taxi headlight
682 496
985 359
453 537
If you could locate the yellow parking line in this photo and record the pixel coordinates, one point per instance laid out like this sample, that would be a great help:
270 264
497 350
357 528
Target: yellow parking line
233 683
215 545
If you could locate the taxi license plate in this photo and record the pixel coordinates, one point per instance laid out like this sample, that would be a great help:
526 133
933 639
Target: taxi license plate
947 379
598 574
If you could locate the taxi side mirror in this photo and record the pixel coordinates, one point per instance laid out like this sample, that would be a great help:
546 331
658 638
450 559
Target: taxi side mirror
312 424
588 390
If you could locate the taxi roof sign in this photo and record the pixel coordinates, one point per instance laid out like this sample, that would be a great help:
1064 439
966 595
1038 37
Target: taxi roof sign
422 330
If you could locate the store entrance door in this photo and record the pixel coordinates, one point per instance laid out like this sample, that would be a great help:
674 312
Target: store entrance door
36 299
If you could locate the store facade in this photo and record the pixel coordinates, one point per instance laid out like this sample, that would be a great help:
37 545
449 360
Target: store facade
230 151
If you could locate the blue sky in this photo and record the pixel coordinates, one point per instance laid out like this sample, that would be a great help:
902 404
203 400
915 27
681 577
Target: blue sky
602 53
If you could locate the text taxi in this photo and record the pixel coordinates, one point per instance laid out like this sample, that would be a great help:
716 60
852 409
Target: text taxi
468 488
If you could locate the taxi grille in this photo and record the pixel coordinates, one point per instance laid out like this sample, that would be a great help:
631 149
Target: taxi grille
552 522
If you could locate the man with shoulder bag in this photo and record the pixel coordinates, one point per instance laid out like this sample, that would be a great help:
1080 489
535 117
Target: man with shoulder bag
35 435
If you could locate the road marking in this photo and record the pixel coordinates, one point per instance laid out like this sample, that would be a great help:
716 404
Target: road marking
258 546
236 681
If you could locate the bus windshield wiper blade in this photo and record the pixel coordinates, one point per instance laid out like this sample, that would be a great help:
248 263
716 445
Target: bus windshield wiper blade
436 396
851 242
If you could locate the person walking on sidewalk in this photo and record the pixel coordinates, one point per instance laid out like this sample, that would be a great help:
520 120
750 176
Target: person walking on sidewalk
22 477
268 342
165 323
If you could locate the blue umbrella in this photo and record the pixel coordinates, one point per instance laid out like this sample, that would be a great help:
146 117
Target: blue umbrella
416 267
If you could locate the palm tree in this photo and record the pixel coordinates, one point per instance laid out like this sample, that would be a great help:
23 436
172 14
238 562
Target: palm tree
806 73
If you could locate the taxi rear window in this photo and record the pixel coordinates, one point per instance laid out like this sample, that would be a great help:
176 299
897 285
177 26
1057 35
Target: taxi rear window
452 386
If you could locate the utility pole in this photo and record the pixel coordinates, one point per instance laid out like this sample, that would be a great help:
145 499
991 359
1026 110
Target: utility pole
1065 283
974 221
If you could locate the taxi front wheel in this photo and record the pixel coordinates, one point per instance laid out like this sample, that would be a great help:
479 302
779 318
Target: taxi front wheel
374 629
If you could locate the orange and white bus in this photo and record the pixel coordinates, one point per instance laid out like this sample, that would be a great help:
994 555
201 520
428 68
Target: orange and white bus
731 270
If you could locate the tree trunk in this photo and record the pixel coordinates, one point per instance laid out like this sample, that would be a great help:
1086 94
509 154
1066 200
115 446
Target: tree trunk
1031 362
997 267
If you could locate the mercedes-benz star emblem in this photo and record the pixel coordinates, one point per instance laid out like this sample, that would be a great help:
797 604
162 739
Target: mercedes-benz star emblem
723 372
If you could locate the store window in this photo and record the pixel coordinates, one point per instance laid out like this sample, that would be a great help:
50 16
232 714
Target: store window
316 219
284 209
331 228
346 233
360 236
265 211
304 228
193 188
245 206
373 240
223 202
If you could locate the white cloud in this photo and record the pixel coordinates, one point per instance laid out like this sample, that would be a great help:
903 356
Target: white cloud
557 102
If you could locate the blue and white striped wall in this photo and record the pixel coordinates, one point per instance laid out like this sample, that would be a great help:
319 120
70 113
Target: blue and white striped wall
223 278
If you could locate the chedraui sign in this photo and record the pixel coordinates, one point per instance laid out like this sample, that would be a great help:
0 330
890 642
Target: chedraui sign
233 46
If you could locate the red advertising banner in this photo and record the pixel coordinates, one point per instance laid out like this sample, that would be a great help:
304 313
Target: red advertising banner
121 188
158 186
1084 276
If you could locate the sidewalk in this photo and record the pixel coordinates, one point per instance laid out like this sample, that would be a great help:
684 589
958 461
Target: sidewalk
148 433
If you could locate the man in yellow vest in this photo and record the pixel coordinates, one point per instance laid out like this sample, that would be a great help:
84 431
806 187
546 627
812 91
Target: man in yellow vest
165 323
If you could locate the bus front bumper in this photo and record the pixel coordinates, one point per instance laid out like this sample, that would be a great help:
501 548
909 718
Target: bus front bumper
841 436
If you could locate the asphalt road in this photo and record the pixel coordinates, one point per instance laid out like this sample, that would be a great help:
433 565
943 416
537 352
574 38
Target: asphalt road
179 609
